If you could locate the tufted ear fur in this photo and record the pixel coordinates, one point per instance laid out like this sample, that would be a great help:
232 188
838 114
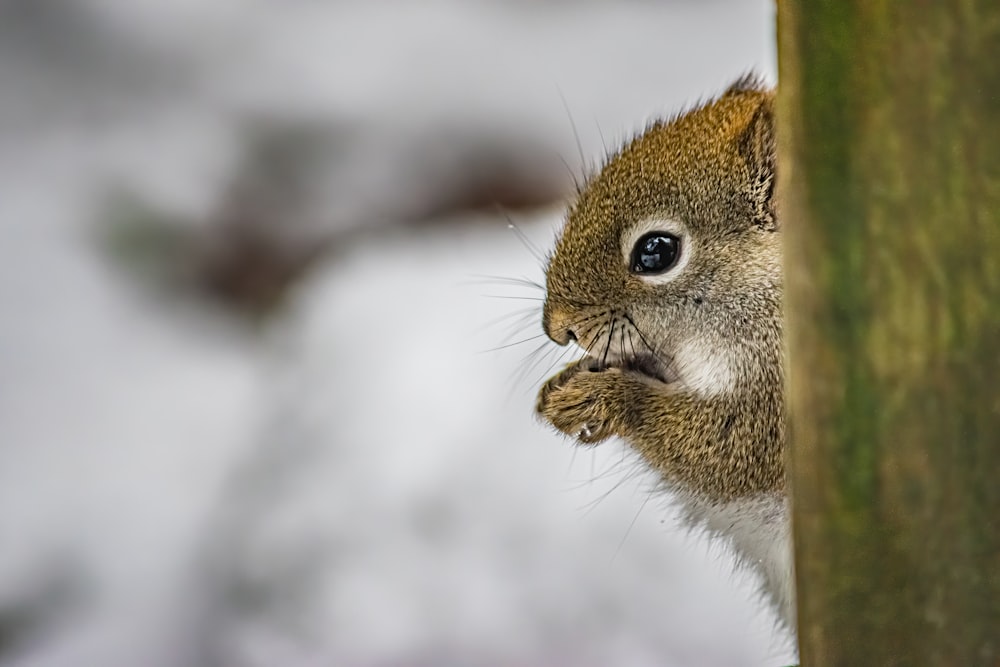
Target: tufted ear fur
757 146
751 82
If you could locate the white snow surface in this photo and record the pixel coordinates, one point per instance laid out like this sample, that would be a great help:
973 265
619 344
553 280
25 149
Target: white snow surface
363 483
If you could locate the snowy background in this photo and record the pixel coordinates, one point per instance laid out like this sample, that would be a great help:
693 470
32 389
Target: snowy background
255 407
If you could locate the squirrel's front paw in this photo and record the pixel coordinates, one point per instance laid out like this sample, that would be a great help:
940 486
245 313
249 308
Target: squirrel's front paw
590 405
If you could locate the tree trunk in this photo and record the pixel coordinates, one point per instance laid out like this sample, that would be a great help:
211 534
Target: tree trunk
889 135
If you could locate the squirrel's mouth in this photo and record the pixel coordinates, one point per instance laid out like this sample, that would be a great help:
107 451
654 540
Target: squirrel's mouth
643 363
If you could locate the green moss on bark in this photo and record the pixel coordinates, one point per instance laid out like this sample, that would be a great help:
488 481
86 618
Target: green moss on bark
889 132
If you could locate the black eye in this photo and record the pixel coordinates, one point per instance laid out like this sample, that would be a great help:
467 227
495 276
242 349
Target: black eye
655 252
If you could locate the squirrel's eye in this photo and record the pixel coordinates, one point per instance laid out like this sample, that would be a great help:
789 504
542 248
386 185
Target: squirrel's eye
655 252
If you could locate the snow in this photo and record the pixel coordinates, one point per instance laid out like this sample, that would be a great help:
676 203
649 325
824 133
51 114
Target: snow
361 483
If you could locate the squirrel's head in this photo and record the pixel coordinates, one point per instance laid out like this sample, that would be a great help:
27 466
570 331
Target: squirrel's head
670 261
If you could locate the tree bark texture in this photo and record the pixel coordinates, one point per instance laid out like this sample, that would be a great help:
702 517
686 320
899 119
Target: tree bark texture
889 155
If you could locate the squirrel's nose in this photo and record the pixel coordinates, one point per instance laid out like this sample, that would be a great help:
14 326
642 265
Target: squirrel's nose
556 325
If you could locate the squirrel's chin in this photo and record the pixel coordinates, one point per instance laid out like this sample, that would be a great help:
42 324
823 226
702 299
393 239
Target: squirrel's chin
644 364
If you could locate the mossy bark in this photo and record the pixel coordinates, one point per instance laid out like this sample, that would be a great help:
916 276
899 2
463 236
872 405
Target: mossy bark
889 139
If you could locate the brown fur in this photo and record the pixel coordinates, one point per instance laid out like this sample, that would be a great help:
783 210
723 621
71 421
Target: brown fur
712 171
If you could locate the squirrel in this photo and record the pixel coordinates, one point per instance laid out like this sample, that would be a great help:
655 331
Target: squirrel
668 274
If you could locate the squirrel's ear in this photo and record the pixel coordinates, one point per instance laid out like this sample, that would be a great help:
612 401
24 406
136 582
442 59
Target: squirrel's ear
750 82
757 145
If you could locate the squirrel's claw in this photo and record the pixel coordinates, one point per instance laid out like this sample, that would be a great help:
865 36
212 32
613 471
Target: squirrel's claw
585 404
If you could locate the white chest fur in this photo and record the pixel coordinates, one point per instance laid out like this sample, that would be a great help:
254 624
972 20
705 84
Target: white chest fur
758 529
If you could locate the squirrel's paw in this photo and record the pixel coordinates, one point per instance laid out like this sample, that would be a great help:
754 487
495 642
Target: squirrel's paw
587 404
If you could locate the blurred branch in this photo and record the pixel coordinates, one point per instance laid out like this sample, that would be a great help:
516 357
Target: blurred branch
279 216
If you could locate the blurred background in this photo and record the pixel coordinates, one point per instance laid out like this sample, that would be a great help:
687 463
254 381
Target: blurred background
269 343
